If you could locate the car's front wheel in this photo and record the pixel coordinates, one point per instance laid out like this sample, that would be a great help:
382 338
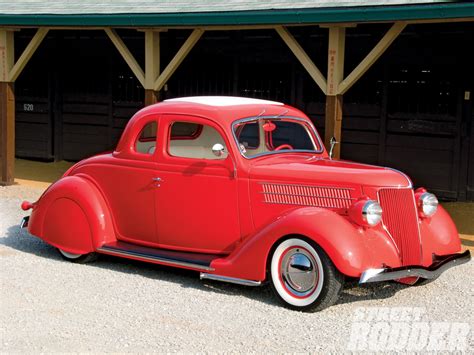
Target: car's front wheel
303 277
77 258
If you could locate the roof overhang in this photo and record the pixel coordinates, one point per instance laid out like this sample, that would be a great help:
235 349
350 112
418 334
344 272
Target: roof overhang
363 14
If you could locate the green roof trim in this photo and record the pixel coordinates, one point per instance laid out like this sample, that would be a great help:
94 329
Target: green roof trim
263 17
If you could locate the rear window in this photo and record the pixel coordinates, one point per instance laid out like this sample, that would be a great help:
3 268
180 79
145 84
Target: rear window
185 130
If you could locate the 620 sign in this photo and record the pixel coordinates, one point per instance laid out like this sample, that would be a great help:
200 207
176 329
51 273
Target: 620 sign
28 107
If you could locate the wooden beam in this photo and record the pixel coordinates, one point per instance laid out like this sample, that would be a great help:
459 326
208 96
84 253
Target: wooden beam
303 57
6 54
152 58
7 133
178 58
152 65
333 123
127 55
337 38
373 55
27 53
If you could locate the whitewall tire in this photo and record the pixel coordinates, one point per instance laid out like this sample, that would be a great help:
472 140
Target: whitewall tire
77 258
303 277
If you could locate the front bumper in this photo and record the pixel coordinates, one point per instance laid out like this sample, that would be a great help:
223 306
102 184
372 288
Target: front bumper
441 264
24 222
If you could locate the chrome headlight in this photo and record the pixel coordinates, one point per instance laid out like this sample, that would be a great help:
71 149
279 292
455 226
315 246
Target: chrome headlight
372 213
366 212
428 204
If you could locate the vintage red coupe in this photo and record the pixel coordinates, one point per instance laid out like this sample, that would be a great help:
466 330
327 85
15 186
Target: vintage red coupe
243 191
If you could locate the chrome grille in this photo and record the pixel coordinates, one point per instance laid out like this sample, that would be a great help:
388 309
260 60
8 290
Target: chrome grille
302 195
400 218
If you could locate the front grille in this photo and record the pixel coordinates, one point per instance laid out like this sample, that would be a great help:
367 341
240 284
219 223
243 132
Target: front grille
400 217
302 195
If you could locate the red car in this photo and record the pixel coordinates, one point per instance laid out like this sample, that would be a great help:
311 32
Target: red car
243 191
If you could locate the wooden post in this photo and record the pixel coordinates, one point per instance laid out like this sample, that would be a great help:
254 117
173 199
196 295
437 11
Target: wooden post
7 110
334 77
7 133
333 123
152 65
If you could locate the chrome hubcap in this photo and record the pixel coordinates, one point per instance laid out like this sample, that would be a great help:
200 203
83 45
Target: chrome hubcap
298 272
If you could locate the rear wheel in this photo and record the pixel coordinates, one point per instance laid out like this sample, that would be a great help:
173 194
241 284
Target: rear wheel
77 258
303 277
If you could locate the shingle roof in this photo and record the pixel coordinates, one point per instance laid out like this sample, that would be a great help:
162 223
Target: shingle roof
194 13
68 7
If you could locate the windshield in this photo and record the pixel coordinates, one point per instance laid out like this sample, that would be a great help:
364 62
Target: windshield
265 135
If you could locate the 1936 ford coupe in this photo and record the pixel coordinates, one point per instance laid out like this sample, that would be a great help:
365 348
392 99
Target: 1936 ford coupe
243 191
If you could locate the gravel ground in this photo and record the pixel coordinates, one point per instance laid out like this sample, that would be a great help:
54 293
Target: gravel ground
115 305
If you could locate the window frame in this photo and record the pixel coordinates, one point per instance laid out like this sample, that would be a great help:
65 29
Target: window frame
310 128
136 138
199 121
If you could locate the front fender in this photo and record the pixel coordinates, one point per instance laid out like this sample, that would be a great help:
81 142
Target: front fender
348 246
439 236
72 215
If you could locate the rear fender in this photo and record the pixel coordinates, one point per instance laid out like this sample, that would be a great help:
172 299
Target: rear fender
72 215
345 244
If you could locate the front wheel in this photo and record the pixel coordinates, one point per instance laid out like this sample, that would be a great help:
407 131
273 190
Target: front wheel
303 277
77 258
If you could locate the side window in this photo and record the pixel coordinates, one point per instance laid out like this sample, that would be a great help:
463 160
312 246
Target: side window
146 141
249 135
185 130
191 140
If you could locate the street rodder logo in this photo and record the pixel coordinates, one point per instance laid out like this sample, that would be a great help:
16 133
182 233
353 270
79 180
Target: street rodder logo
404 328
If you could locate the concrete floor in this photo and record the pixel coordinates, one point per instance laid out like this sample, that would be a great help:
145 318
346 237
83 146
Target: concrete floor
41 175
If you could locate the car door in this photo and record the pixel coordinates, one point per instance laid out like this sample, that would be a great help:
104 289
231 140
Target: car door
129 186
196 203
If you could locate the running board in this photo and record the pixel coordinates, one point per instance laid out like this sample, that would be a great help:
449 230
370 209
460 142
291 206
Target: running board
160 256
232 280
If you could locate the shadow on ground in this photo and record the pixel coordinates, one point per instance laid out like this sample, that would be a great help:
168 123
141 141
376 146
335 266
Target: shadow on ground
463 215
22 241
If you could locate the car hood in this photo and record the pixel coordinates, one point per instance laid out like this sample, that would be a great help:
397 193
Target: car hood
298 168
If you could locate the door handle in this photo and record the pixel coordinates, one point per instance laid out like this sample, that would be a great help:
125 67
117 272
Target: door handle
157 181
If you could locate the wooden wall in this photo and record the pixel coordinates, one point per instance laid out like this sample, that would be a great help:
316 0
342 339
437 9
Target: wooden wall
407 112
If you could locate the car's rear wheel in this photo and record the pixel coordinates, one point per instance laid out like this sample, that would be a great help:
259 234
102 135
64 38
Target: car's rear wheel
303 277
77 258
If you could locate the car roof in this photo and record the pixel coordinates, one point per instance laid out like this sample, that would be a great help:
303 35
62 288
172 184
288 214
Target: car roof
223 101
222 109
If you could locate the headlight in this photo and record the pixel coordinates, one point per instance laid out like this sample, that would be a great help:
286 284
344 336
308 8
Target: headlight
427 203
372 213
366 212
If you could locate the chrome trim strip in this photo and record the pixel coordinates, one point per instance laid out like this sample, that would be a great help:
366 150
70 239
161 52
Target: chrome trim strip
431 272
232 280
302 204
307 122
301 185
24 222
158 259
303 195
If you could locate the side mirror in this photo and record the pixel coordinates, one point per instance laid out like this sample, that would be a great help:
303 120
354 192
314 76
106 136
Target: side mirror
218 150
332 142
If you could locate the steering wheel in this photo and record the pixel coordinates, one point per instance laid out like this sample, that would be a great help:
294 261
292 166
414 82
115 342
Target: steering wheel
283 146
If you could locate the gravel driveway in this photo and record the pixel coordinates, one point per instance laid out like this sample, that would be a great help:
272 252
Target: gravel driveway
116 305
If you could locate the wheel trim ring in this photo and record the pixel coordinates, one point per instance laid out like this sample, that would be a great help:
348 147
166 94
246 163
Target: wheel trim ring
69 255
292 292
278 286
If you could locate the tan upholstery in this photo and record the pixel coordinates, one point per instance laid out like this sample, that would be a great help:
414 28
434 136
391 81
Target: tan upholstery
199 148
